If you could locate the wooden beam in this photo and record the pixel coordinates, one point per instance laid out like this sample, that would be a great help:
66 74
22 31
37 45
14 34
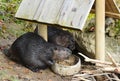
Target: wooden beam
114 15
110 14
42 30
100 30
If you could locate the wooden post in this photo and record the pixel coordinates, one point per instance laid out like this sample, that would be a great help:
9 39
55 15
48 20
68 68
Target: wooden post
100 30
42 30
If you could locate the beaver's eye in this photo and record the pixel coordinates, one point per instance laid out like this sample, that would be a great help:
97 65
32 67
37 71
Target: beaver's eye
55 48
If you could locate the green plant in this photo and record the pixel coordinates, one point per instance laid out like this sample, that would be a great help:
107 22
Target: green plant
12 78
117 26
8 9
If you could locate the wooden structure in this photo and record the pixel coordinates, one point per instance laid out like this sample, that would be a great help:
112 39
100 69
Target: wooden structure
70 13
100 30
111 9
108 8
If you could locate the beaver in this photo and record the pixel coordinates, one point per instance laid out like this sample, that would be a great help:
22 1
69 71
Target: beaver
33 52
58 36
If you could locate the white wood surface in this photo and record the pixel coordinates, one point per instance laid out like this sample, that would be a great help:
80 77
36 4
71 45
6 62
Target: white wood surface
28 9
69 13
100 30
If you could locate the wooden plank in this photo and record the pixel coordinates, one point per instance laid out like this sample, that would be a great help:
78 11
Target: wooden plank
50 11
107 7
113 6
110 14
39 10
27 9
114 15
74 13
69 13
110 5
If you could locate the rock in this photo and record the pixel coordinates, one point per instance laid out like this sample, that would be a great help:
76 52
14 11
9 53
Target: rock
86 42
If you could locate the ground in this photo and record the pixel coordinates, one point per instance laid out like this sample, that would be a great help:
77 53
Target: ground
11 71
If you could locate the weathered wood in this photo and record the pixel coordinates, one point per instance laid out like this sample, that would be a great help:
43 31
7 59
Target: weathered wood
113 6
100 30
114 15
69 13
28 9
110 14
50 11
108 7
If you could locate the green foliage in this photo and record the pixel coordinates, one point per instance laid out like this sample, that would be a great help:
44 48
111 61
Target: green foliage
91 16
117 26
4 76
12 78
14 32
8 9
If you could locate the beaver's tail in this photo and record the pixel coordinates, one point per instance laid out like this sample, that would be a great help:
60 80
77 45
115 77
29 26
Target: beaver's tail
10 55
7 52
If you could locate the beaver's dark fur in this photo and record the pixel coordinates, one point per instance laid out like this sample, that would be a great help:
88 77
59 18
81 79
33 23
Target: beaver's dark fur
35 53
60 37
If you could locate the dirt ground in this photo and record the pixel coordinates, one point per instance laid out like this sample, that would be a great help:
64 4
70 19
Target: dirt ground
11 71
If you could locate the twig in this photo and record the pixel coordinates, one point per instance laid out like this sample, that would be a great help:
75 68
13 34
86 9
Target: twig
112 60
80 77
115 69
95 61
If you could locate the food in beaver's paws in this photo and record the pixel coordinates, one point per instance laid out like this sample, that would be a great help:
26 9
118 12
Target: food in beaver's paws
69 61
